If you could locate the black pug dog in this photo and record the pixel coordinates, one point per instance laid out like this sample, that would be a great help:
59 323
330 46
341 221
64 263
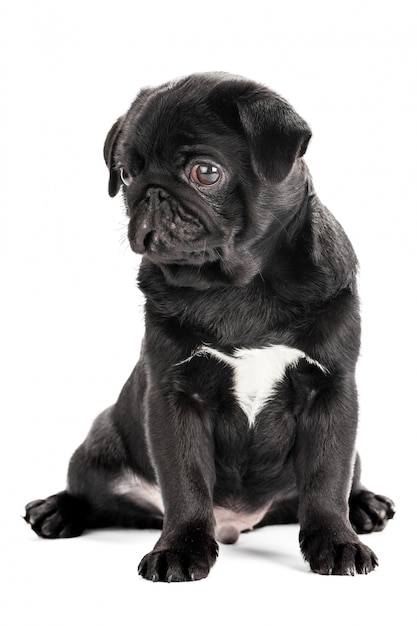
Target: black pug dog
242 410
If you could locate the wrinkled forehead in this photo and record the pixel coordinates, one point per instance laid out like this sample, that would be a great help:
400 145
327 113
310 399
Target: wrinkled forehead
163 122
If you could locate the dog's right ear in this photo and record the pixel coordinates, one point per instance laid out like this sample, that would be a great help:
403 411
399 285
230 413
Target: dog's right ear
110 146
275 133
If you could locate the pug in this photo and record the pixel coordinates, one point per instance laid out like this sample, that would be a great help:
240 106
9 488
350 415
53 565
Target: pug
242 410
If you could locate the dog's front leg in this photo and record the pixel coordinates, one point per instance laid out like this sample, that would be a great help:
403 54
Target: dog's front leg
180 439
324 457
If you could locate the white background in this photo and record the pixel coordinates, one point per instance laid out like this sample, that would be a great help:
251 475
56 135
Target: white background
71 314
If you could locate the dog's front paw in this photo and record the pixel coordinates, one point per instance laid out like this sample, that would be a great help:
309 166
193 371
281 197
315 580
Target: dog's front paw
188 555
337 553
370 512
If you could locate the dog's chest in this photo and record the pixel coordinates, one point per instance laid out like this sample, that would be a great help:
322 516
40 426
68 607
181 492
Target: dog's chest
257 372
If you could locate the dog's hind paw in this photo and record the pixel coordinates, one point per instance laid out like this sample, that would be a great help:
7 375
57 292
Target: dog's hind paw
370 512
59 516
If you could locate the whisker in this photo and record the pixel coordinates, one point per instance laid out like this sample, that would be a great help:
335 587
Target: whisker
276 218
255 262
203 256
124 240
121 227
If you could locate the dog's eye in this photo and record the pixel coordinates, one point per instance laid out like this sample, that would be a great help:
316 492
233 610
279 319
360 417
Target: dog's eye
125 176
205 174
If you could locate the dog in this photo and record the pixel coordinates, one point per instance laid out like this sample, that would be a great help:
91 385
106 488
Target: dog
242 410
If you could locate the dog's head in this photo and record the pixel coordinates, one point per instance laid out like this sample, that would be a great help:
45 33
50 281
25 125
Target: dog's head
194 158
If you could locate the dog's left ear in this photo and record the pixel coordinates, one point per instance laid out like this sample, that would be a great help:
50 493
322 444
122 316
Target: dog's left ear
277 135
110 146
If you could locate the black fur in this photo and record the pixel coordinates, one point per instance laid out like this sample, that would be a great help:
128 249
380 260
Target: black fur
250 261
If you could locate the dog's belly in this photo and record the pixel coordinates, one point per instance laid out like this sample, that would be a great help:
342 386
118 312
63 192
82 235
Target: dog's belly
257 372
229 522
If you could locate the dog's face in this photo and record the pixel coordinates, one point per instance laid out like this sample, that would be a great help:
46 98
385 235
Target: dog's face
194 159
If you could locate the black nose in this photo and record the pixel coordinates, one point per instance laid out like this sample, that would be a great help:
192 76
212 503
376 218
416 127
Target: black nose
142 237
144 231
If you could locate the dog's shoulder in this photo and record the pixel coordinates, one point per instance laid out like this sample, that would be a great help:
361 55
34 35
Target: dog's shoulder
332 250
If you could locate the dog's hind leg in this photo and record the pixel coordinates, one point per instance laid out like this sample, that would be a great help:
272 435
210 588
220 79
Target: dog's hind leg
102 489
368 512
64 515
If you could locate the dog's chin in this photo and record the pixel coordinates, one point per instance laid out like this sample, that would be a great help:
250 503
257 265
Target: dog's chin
206 276
200 268
161 254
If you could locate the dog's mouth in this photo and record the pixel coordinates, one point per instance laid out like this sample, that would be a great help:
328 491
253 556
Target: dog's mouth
160 249
169 246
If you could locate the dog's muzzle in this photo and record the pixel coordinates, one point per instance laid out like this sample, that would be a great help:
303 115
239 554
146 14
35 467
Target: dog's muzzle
166 230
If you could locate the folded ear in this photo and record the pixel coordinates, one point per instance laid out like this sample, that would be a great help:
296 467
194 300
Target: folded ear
277 135
110 146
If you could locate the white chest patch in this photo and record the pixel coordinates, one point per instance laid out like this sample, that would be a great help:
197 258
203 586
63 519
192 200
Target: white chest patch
257 371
